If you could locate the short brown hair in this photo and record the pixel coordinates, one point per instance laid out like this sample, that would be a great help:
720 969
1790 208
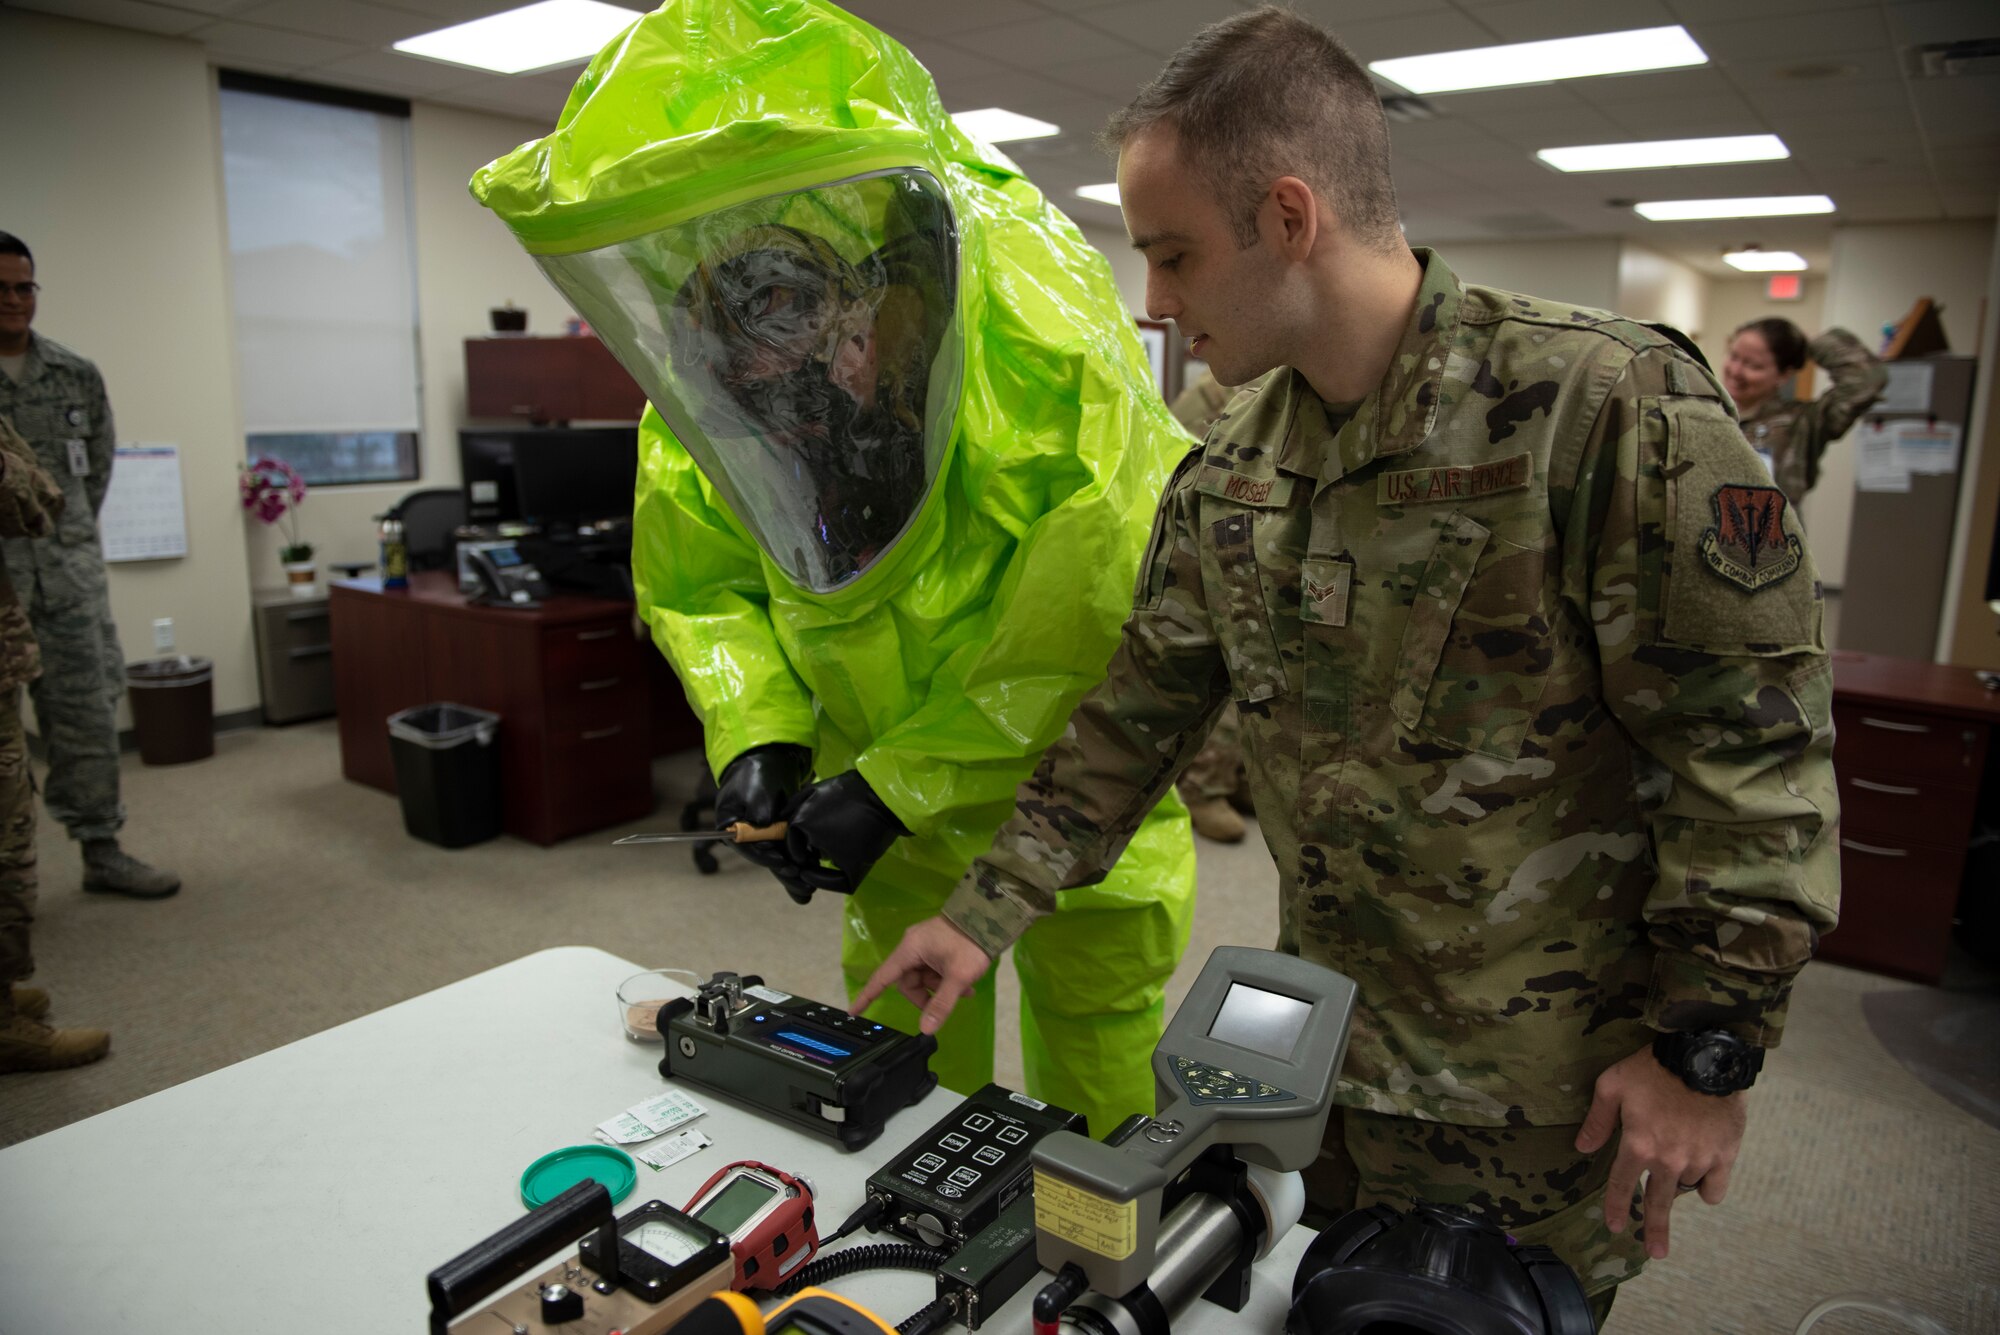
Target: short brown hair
1266 94
1786 341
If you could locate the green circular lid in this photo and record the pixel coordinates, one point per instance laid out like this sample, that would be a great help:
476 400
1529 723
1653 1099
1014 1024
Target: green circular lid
556 1172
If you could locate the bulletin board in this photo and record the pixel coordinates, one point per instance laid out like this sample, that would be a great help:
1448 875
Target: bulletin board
144 517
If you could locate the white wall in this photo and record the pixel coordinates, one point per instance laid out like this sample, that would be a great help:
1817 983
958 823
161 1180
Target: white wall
1735 302
1652 287
1877 272
119 192
113 178
1583 272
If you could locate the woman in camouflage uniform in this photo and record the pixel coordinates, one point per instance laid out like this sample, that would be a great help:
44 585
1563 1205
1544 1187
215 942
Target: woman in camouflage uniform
1791 434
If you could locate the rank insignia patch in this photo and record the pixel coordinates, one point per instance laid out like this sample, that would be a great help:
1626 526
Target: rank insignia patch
1748 545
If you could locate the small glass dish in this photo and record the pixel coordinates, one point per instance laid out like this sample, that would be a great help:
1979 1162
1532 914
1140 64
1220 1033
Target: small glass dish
640 998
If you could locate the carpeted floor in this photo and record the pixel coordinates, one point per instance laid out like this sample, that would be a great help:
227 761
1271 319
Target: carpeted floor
1868 1167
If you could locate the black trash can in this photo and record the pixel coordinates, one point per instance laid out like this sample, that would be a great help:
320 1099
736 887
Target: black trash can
173 708
448 772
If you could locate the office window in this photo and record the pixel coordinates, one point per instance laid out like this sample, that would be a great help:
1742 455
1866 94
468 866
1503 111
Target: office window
317 184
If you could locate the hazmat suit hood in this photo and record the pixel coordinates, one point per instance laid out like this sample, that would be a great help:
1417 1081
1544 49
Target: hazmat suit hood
751 204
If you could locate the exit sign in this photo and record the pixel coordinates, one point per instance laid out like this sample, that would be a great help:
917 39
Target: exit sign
1784 287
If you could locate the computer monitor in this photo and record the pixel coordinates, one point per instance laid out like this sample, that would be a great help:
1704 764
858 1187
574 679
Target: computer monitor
573 472
563 478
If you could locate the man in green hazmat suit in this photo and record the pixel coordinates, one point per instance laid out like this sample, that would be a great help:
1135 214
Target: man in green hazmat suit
893 488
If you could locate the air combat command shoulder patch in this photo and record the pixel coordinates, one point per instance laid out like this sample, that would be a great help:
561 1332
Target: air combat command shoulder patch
1748 545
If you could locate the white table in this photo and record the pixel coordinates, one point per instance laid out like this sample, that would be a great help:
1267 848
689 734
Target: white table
311 1189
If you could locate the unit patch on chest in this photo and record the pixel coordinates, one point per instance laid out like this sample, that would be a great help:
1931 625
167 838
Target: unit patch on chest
1748 545
1458 482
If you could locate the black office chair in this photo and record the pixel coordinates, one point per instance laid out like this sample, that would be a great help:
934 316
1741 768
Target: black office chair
430 517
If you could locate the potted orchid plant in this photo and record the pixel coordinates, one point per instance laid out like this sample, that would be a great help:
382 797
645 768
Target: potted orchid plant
272 490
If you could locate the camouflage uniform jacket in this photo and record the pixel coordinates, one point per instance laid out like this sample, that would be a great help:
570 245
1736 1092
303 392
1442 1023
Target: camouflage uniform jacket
1794 434
60 398
1529 659
29 504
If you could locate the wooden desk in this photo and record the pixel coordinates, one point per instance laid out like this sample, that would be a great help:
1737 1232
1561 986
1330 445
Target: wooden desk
584 704
1910 747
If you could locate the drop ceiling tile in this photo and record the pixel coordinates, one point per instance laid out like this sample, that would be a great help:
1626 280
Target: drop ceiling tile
1475 106
1943 21
1788 101
1406 34
1334 14
947 62
1958 113
347 20
408 75
1723 11
1699 84
219 8
1686 120
942 18
1120 75
287 50
1829 32
1782 69
463 11
1009 88
1159 26
1552 127
1537 20
1045 41
119 14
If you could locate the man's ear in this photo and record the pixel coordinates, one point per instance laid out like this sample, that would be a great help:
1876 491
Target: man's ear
1295 212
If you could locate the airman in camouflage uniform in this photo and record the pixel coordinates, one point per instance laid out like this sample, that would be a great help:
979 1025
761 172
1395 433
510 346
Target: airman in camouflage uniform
29 504
1792 434
1534 690
1529 657
56 400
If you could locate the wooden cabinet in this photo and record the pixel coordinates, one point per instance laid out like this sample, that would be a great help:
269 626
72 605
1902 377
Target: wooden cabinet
548 380
574 688
1910 747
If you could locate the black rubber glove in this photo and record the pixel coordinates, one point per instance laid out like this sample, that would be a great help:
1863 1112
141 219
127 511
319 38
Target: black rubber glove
841 821
755 788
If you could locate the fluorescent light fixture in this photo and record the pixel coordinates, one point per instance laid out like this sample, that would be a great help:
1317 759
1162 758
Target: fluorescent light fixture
537 37
1666 153
997 125
1767 206
1544 62
1103 194
1765 261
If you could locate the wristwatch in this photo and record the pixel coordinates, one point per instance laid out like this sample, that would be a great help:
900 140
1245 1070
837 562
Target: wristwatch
1713 1061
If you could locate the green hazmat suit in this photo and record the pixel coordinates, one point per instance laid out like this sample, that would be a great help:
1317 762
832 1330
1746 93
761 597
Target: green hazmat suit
929 615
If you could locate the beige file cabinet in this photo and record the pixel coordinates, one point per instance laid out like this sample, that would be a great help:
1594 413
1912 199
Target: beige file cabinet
294 656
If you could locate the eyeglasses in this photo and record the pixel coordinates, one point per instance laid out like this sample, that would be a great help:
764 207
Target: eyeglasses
25 291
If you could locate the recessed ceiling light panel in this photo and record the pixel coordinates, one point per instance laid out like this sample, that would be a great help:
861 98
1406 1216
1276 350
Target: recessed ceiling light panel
1766 206
1666 153
1544 62
1765 261
542 36
997 125
1103 194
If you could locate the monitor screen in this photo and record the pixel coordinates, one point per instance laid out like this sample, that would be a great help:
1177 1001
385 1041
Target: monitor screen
576 476
574 472
1260 1021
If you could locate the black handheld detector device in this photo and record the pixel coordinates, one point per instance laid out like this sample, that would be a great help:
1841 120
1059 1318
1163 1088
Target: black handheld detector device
1247 1064
802 1061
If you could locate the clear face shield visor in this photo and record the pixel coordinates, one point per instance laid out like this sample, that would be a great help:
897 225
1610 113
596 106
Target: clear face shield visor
805 349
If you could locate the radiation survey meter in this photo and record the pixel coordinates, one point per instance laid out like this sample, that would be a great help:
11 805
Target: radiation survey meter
1244 1077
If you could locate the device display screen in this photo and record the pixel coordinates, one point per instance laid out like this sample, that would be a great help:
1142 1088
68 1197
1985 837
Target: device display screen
1260 1021
662 1240
734 1204
504 556
816 1046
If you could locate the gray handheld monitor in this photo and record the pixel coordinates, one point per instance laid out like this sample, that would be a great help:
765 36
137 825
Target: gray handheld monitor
1248 1061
